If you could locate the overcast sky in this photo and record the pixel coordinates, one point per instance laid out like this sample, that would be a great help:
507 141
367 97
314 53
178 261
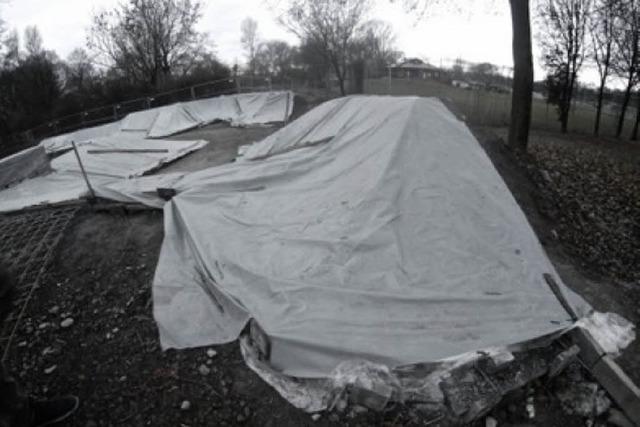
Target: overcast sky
480 33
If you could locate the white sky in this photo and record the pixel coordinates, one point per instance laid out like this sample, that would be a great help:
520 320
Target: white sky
482 33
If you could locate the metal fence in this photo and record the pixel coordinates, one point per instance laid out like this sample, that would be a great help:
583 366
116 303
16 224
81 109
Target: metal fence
493 108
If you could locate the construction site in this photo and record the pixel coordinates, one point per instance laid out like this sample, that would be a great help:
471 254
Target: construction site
277 258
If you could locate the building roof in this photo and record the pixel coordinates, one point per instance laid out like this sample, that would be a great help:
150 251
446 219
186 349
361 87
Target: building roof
414 65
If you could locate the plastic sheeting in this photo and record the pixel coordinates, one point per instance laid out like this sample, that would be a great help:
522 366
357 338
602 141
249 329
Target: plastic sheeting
240 110
121 163
371 228
104 169
24 164
63 142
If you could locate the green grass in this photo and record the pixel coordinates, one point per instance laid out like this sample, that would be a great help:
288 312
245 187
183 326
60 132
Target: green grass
493 109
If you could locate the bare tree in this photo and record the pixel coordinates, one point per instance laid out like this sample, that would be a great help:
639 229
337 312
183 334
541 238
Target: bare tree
604 31
563 35
375 41
250 42
627 56
274 58
33 41
11 50
148 40
328 25
79 70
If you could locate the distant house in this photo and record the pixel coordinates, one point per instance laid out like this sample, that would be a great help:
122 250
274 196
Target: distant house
415 68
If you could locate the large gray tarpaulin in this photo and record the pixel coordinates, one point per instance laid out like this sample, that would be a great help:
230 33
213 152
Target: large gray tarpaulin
22 165
107 160
245 109
370 228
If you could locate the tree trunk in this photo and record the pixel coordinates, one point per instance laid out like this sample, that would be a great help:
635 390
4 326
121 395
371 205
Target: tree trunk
634 134
522 75
623 109
603 81
339 75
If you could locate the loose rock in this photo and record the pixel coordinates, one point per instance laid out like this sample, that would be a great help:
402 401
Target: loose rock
67 322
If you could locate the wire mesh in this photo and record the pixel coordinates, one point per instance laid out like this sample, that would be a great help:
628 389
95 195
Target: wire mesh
27 243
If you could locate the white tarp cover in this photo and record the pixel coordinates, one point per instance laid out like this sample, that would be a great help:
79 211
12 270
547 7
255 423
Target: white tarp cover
171 120
124 164
370 228
66 182
22 165
63 142
240 110
47 189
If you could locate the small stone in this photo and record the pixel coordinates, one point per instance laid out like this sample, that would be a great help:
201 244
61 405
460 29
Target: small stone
91 423
43 325
54 310
490 422
185 405
315 417
50 369
204 370
211 353
241 418
22 344
67 322
123 378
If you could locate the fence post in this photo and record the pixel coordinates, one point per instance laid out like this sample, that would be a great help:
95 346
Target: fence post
238 88
84 173
193 92
286 110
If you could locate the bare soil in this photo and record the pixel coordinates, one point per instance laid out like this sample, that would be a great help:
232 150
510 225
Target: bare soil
110 356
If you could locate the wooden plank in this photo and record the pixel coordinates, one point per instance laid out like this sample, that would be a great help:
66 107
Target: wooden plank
621 388
126 150
607 372
590 351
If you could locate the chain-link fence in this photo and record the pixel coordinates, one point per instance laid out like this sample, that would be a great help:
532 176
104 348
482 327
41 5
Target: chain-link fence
493 108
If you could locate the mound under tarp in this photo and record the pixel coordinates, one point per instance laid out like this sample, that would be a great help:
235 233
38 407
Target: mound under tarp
240 110
370 228
107 160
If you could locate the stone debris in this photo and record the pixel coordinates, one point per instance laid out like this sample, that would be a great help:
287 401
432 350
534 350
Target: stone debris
66 322
204 370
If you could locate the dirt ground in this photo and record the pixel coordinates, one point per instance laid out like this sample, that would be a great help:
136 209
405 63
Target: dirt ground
110 355
224 141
